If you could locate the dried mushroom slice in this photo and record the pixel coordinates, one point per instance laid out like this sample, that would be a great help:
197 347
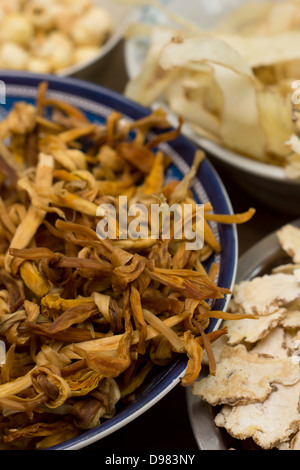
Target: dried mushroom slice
217 347
268 423
292 341
293 444
288 268
292 318
264 295
243 377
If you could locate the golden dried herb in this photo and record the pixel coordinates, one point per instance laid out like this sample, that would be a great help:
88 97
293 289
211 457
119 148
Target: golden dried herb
85 320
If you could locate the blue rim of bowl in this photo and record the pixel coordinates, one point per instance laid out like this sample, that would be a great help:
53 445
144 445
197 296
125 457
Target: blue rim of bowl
216 193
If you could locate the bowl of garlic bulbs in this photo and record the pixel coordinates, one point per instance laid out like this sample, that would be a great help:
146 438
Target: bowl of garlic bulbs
62 37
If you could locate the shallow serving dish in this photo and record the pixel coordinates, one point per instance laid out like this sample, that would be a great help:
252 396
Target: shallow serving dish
98 103
257 261
265 182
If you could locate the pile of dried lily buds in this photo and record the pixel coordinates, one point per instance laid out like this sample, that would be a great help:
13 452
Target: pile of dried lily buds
85 320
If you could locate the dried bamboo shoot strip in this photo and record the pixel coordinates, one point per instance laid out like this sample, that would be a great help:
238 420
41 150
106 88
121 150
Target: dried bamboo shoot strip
16 386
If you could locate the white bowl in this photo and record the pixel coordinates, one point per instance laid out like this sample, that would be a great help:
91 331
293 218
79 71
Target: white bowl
264 182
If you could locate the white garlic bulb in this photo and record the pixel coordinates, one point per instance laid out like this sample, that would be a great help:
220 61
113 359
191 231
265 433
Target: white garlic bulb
13 56
85 53
38 65
43 13
16 28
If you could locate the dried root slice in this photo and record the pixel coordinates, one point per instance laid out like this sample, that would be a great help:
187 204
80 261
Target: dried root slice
242 378
252 330
270 423
264 295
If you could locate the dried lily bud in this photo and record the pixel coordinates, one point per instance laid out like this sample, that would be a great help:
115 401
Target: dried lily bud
84 381
33 279
49 356
195 354
87 413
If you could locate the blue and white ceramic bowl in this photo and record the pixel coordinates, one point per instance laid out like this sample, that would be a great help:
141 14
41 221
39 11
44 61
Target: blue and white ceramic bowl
98 103
266 183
